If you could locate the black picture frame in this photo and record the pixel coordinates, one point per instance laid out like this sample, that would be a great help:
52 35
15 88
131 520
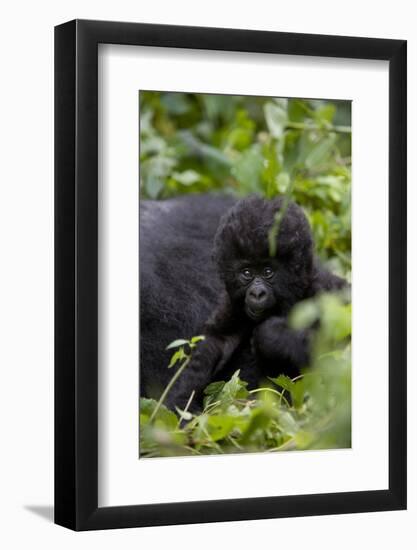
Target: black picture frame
76 272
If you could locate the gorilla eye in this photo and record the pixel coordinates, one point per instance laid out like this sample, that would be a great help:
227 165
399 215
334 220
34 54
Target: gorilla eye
268 273
247 274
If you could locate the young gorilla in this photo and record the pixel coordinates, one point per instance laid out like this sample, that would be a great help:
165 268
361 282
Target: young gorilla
248 329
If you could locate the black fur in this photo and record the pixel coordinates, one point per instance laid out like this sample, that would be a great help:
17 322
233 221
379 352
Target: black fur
179 285
186 290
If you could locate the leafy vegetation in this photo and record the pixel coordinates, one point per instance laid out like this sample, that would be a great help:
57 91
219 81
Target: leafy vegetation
198 143
310 412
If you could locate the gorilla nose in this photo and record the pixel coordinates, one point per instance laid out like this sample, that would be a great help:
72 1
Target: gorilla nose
257 294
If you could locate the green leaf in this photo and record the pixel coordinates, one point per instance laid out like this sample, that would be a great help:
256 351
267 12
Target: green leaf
196 339
152 145
336 318
154 172
188 177
325 113
283 381
240 138
303 315
295 389
320 152
154 185
283 182
175 103
214 388
288 423
197 147
259 421
217 106
220 426
178 356
226 392
247 169
276 116
165 417
177 343
304 439
235 388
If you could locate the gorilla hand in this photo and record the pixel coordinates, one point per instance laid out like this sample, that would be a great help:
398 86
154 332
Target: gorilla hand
273 340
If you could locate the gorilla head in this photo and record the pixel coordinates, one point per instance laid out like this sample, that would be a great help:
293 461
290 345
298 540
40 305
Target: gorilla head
257 283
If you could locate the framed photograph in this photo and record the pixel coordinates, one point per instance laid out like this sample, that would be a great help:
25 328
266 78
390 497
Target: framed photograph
230 284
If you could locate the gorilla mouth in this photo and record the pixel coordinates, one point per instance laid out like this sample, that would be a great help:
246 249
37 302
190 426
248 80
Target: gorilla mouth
255 314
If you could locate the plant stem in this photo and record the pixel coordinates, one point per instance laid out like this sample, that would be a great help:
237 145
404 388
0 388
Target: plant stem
281 394
169 386
265 389
290 444
274 231
182 415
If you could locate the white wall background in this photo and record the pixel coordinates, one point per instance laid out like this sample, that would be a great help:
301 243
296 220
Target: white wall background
26 274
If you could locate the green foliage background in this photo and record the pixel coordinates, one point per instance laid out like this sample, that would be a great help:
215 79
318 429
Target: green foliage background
200 143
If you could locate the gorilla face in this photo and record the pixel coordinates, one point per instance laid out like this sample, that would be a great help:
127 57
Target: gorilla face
257 280
258 284
265 286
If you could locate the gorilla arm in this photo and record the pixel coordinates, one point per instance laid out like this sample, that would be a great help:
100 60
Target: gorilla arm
274 340
223 334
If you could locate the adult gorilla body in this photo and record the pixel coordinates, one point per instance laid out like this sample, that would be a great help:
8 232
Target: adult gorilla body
206 269
179 283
